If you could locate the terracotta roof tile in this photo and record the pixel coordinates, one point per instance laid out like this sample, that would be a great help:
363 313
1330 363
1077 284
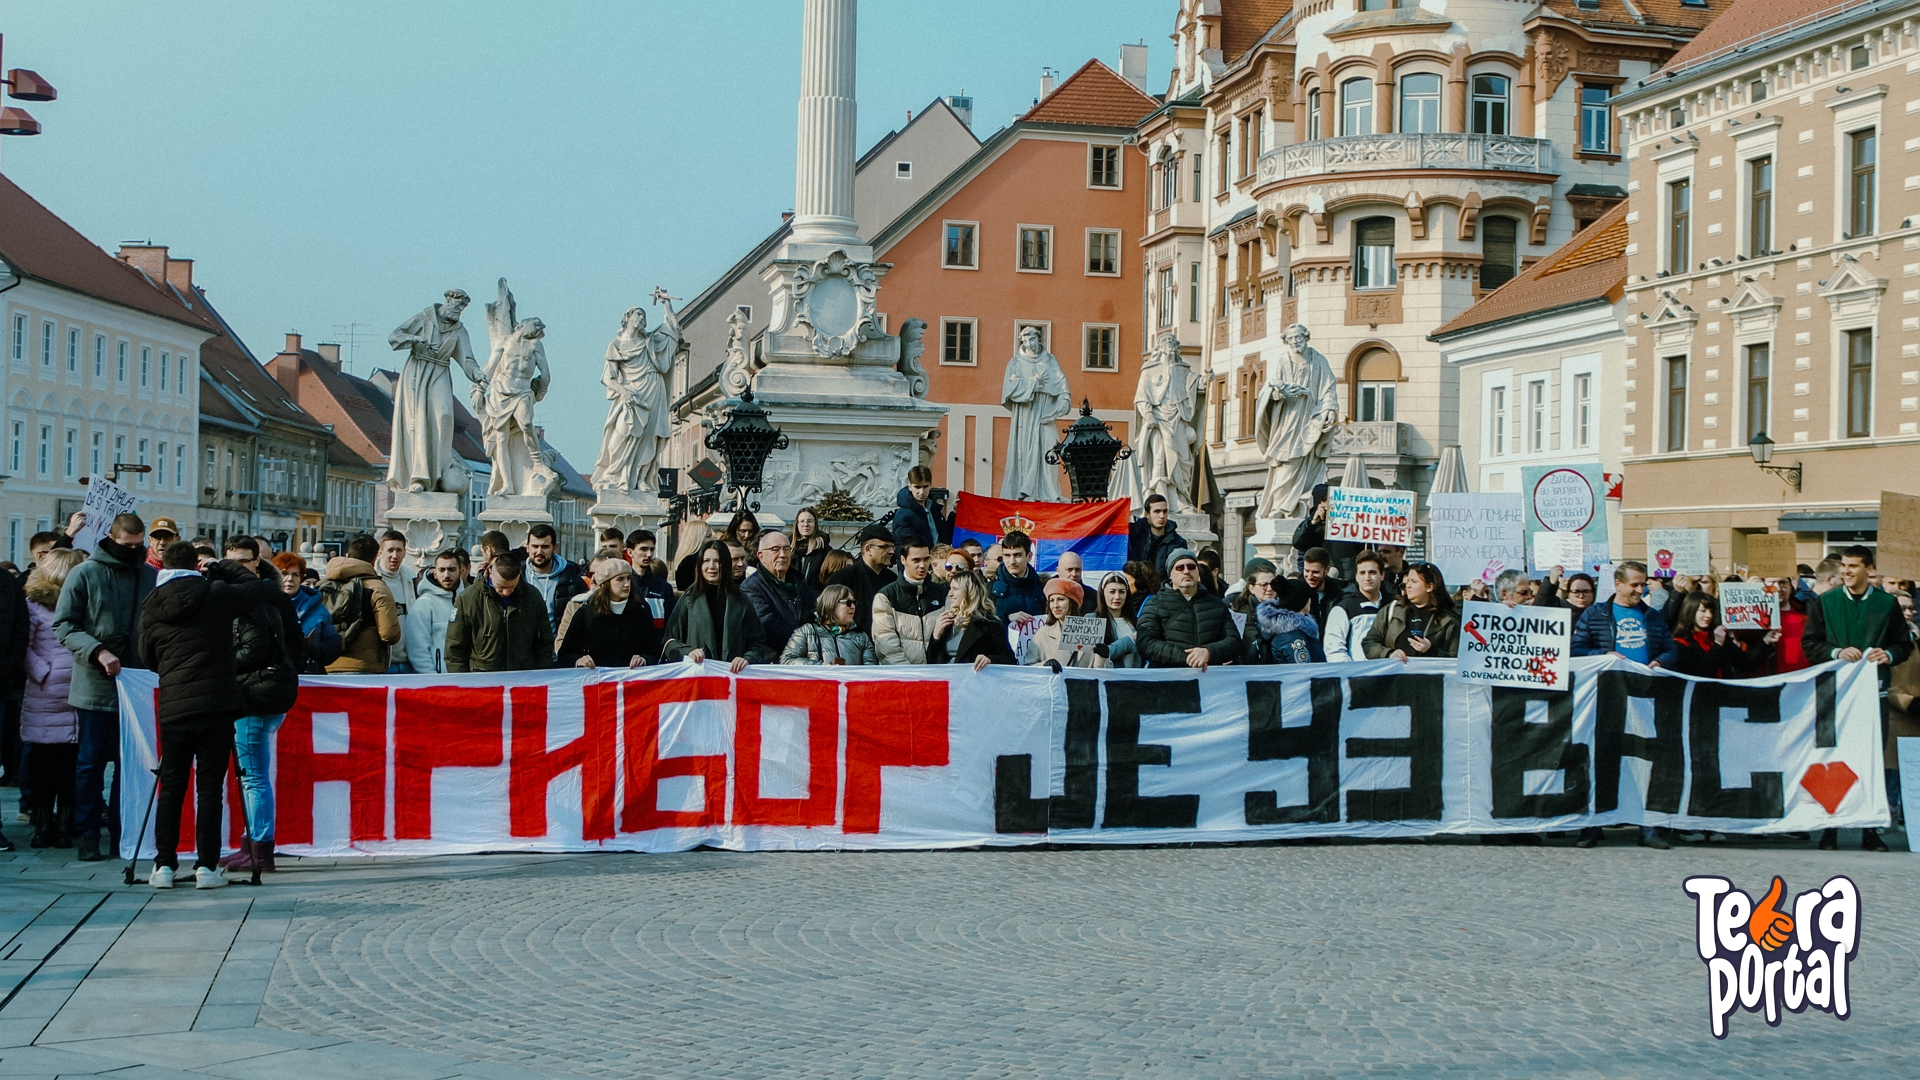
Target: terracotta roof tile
1094 95
40 245
1747 19
1244 22
1591 266
1642 14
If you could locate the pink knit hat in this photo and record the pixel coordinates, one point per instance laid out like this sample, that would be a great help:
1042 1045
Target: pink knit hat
1060 586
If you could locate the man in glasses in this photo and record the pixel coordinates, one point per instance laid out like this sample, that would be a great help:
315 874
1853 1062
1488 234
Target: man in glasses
1181 626
783 606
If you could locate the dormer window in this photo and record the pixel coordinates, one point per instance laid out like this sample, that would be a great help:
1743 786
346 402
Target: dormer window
903 170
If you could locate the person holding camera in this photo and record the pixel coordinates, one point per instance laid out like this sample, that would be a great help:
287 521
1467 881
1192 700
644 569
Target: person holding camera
920 511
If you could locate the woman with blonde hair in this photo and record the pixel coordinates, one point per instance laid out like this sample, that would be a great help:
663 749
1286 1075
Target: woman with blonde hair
49 727
831 638
969 632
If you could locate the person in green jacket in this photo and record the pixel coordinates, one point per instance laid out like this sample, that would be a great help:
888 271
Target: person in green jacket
502 627
1852 623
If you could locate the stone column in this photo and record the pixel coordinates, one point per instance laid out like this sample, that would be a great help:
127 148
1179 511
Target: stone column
1456 118
823 180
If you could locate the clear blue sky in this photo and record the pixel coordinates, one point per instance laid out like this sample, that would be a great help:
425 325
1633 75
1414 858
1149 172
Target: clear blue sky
346 162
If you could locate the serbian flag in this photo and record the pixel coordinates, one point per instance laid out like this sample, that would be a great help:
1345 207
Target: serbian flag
1097 530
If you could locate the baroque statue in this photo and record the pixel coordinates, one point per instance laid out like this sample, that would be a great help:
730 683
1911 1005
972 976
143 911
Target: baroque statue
1166 441
635 375
911 349
517 377
1295 414
1035 392
421 456
736 371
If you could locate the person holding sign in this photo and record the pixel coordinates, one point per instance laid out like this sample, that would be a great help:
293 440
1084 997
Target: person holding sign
1052 641
1419 622
1705 646
1853 623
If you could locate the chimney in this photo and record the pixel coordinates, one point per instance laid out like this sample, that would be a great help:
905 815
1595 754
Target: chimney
330 352
293 342
285 368
1133 65
149 259
962 107
180 275
786 216
1046 83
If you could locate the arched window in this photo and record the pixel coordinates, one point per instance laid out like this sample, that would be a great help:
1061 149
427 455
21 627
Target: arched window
1499 251
1373 253
1490 96
1420 103
1356 107
1376 378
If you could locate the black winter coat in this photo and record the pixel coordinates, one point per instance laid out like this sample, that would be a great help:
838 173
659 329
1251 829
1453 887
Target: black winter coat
268 654
1170 624
691 627
866 583
782 608
1143 546
186 634
14 630
612 639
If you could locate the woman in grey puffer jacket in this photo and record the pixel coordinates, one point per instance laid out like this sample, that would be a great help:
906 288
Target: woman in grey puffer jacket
831 638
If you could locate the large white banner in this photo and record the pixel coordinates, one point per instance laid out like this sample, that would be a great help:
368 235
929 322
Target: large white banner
672 757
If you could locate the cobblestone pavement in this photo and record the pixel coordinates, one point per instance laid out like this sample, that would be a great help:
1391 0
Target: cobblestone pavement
1404 959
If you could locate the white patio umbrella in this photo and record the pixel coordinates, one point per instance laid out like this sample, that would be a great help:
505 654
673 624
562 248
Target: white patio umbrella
1450 475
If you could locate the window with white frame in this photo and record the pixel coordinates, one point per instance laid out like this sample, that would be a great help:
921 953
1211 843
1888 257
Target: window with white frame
119 451
1193 292
1537 416
183 360
141 478
1103 166
160 466
960 252
1676 404
1316 125
97 448
15 526
1167 294
146 366
1596 119
45 456
1420 103
903 170
1859 383
1759 380
73 350
1490 97
1373 266
19 338
1103 252
209 473
16 434
1356 107
166 365
957 339
180 465
1497 420
120 370
99 355
1583 410
1036 249
1102 347
46 345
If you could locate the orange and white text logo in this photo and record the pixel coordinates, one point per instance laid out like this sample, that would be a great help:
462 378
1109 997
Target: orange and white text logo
1775 954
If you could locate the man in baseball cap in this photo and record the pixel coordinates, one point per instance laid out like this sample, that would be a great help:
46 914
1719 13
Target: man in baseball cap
160 533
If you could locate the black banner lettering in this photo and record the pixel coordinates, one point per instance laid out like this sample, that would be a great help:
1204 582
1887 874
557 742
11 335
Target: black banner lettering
1318 741
1127 702
1611 741
1520 747
1710 798
1425 699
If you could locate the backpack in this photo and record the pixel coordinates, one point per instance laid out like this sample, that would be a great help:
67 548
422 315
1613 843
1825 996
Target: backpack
323 647
350 607
271 689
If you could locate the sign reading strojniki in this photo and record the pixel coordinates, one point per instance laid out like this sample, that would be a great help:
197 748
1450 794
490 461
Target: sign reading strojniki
1518 646
1369 516
1771 956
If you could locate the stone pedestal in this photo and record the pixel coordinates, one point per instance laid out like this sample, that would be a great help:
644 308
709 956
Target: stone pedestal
514 515
430 520
628 510
1197 528
1272 539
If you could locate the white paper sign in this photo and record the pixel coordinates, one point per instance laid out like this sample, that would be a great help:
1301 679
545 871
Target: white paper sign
1520 646
1908 749
1369 516
1677 551
1749 605
106 500
1567 550
1476 536
1239 622
1080 631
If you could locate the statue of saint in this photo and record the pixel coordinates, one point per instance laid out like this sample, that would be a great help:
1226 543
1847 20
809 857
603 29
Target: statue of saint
517 377
1035 392
1295 414
1165 441
635 375
421 457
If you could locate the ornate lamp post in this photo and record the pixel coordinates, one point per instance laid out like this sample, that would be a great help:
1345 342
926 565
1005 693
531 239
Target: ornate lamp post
23 84
1089 451
1762 449
744 441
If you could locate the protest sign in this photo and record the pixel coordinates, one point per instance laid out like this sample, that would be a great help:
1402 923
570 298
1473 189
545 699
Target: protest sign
1899 543
1772 555
1566 498
105 501
1369 516
1749 605
1908 749
671 757
1517 646
1566 550
1475 536
1677 551
1082 631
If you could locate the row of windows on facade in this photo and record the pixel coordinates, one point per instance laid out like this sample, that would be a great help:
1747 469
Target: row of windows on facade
1100 342
1858 58
281 477
1536 427
1033 249
1373 265
1757 408
1369 393
52 356
1860 212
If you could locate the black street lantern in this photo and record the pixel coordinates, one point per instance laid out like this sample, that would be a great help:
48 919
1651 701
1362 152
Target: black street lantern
1089 451
744 441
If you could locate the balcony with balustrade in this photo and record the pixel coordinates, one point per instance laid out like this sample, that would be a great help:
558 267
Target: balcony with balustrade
1396 151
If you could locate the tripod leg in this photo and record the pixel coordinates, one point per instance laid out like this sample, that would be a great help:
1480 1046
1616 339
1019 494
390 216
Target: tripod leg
141 837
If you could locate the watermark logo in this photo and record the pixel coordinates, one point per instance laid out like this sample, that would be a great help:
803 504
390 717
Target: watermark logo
1771 956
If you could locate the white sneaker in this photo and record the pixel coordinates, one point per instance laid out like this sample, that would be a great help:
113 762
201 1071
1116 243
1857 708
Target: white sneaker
161 878
209 877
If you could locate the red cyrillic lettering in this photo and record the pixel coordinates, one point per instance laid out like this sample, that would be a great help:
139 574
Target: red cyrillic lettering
646 768
534 767
440 727
363 766
821 699
889 723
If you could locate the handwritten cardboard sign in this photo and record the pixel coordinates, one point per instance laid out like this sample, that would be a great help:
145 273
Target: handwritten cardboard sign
106 500
1082 631
1899 554
1519 646
1474 536
1369 516
1772 555
1749 605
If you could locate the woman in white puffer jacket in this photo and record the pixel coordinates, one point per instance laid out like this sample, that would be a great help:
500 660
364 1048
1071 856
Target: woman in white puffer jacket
830 638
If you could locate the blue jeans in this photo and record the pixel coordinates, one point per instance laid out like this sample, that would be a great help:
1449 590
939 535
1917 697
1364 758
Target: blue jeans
99 744
251 735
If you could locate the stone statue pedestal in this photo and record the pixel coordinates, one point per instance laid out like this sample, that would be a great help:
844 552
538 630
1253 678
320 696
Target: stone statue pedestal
514 515
430 520
628 510
1197 528
1272 539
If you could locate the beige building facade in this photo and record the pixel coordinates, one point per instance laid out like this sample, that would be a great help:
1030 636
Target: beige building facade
1773 287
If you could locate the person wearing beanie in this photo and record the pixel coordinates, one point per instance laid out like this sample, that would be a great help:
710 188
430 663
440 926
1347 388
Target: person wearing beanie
1181 626
1063 598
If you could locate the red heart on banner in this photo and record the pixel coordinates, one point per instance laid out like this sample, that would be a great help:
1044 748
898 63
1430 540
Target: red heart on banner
1829 784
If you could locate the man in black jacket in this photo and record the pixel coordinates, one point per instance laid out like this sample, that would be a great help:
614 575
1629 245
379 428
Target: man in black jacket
186 634
1182 626
1152 537
868 574
783 605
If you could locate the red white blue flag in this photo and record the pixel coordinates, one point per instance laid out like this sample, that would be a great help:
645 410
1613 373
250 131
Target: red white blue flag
1097 530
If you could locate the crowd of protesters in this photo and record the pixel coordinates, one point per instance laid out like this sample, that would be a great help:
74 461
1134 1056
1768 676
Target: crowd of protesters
229 631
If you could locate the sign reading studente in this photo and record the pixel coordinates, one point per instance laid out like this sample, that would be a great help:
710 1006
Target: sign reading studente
1749 605
106 500
1515 646
1369 516
1899 544
1773 555
1474 536
1677 551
